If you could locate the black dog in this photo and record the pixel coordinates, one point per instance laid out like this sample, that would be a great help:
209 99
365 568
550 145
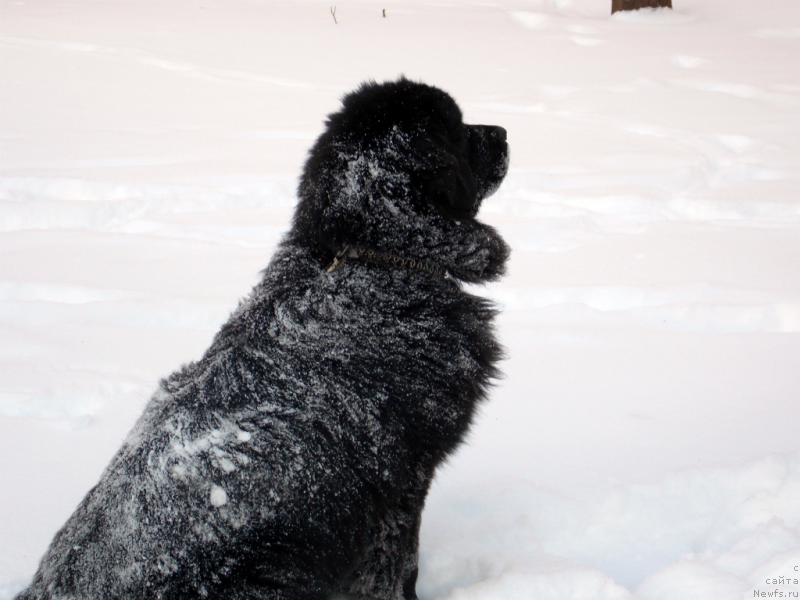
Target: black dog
293 460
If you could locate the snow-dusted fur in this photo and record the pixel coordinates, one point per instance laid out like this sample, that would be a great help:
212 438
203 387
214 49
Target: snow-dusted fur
293 459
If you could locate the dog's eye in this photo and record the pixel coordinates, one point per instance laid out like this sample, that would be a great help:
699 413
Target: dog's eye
457 135
445 136
458 132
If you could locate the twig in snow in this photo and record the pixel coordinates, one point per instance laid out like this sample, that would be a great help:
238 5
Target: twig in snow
384 13
333 12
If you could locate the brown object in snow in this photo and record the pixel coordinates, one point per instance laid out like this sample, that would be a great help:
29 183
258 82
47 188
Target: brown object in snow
617 5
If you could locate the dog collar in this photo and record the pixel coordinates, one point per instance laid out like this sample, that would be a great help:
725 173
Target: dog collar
385 259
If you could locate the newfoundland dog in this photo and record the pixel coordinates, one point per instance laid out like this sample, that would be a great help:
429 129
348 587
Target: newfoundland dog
292 461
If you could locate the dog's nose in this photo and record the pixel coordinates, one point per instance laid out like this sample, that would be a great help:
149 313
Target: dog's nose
498 132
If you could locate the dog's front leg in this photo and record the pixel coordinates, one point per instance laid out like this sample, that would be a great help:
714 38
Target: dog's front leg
389 571
411 567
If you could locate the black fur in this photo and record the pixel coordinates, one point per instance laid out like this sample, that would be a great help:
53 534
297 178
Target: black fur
293 459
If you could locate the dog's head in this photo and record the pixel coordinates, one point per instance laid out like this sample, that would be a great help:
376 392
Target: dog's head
398 171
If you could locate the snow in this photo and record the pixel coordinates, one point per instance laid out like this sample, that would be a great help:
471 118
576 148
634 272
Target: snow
644 441
218 497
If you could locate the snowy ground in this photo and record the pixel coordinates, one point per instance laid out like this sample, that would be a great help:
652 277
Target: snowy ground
644 443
